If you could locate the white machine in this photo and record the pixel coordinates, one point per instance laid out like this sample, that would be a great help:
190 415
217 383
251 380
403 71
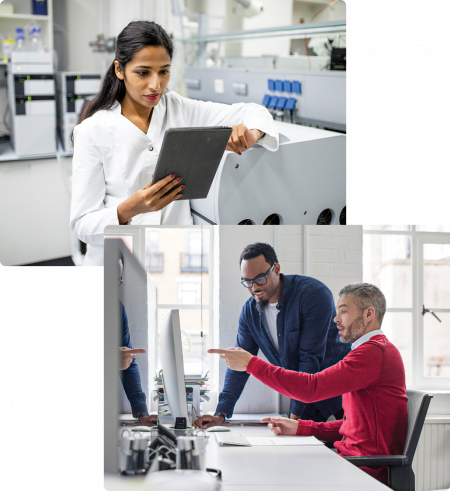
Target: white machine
172 365
73 89
302 183
308 97
31 97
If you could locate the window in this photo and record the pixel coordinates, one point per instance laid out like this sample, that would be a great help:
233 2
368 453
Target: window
195 257
411 265
154 260
183 285
189 292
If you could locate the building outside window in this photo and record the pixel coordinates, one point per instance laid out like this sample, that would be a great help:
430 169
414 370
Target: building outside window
194 259
411 265
185 285
189 292
154 259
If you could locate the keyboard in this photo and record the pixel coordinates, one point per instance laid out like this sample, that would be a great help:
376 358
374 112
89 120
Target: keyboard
231 439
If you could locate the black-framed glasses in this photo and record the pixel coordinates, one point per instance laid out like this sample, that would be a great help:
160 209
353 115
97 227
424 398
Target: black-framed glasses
260 281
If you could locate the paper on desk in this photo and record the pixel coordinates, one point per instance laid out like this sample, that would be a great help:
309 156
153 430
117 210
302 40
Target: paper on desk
298 441
251 418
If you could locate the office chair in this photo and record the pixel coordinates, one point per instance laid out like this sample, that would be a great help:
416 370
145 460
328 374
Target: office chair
401 475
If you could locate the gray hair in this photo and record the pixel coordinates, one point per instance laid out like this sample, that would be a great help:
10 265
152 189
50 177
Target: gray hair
366 295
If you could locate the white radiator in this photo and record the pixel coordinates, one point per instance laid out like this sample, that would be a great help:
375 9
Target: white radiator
431 463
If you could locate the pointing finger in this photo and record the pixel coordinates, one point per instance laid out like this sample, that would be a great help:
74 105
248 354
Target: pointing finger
219 351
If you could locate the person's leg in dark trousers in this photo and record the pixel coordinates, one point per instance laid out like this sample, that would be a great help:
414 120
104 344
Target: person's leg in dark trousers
311 413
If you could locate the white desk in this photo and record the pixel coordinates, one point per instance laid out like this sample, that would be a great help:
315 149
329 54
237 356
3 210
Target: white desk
269 469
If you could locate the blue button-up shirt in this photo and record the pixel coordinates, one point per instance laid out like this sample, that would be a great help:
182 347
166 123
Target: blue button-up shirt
131 379
308 339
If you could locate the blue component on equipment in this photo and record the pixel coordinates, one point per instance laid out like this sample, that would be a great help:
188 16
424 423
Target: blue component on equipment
296 87
273 101
279 85
271 84
287 86
281 102
291 103
265 101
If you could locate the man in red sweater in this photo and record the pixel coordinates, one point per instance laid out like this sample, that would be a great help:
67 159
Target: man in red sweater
371 380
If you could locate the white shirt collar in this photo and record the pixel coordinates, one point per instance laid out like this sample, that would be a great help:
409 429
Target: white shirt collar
157 125
366 337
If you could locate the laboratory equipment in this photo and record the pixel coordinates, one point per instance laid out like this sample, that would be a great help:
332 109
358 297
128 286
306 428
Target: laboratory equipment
338 59
303 182
36 41
73 88
226 75
102 45
126 451
191 453
20 39
172 365
320 97
39 7
139 446
8 45
31 97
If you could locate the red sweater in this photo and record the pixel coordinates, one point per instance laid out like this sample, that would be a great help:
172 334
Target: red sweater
371 379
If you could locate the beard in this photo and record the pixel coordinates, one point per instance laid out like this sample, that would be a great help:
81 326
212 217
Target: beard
354 331
262 305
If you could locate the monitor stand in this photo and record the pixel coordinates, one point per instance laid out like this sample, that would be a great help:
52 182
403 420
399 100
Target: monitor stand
187 430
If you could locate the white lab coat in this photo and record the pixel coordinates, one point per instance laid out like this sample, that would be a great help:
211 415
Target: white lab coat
113 159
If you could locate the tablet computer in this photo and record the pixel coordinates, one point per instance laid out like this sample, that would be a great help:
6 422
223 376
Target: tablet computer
194 154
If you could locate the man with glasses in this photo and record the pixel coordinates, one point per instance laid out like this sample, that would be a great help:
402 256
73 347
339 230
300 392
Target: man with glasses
290 318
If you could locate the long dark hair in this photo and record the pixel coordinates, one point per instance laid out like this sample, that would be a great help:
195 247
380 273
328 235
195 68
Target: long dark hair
137 35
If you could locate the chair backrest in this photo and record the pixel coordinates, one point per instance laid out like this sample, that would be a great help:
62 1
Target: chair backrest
418 403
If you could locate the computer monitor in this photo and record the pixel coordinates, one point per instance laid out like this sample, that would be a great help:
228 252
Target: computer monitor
172 365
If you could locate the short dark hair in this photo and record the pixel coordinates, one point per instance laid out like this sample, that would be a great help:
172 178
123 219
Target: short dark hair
255 250
366 295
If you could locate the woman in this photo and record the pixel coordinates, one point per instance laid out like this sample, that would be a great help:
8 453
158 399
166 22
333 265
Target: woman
119 136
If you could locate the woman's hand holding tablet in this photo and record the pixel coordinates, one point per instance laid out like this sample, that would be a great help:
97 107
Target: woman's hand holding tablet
150 198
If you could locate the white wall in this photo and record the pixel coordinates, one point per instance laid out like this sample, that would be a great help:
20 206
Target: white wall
276 13
334 257
34 211
83 23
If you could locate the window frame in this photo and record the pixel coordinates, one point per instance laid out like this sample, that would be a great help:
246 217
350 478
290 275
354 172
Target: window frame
418 239
208 307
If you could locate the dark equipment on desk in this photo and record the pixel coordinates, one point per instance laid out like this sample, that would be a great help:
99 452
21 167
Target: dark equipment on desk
180 423
338 59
